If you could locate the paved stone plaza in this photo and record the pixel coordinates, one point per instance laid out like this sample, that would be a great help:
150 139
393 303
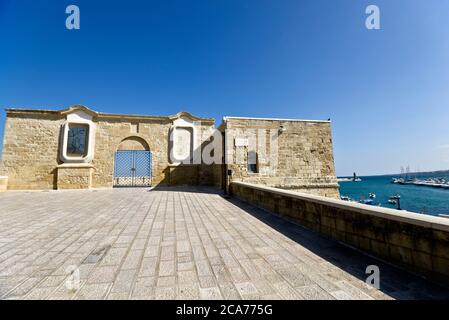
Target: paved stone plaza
175 243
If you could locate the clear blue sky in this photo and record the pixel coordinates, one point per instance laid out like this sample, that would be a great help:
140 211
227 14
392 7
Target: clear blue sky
386 91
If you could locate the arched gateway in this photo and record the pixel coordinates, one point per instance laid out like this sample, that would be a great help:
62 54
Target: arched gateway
132 165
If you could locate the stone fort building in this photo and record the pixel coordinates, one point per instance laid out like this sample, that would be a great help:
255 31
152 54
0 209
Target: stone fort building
79 148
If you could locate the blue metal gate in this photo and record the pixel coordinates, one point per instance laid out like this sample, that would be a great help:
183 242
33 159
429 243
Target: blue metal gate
132 168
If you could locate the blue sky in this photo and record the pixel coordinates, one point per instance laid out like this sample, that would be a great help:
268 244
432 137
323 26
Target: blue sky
386 91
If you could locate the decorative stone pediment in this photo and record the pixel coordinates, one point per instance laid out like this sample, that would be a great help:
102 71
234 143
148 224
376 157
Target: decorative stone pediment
187 115
79 108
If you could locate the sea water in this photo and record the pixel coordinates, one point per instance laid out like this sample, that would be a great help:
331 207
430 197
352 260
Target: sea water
420 199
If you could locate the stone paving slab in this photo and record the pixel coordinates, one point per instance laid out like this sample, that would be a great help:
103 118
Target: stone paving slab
176 243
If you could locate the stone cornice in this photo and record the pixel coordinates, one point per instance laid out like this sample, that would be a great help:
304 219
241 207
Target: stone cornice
102 115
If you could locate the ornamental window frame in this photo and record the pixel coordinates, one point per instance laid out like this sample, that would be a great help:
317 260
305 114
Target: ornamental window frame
78 119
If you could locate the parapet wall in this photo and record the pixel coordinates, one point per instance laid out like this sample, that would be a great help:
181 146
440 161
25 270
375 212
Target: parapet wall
417 242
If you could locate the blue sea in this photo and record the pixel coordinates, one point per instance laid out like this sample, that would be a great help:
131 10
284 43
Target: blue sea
420 199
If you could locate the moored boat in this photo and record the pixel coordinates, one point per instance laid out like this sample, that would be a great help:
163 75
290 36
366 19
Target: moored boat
367 201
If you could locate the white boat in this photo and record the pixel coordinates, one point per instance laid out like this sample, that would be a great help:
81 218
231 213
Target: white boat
353 179
398 180
344 179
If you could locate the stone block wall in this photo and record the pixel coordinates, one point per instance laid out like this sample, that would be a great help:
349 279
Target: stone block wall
111 132
191 174
301 160
3 183
2 168
32 138
324 190
30 150
416 242
184 175
217 171
74 177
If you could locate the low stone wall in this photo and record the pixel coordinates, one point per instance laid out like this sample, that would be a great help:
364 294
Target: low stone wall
191 174
323 190
75 176
419 243
3 183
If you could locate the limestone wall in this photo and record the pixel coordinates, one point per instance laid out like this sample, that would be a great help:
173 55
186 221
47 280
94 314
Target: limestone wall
301 160
217 171
3 183
2 168
324 190
32 147
74 177
193 174
417 242
109 135
30 151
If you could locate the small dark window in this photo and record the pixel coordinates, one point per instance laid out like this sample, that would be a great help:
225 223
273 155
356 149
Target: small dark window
252 162
77 140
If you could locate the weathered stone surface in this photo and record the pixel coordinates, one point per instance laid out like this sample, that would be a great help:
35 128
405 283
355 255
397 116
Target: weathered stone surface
420 246
74 177
3 182
43 249
30 151
34 156
304 154
32 146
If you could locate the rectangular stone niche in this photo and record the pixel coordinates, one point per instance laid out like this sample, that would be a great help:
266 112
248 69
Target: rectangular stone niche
74 176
